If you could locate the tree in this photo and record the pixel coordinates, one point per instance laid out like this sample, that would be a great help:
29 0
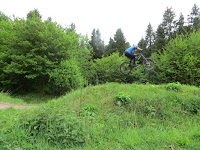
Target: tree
168 20
110 48
160 40
72 26
97 44
180 28
3 17
120 42
142 44
194 18
165 29
180 60
41 56
34 14
149 39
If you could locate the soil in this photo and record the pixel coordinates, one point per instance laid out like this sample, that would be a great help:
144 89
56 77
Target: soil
4 105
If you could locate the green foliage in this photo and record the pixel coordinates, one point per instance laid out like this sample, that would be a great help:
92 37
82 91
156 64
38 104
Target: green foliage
192 105
118 44
3 17
155 118
41 56
122 99
89 110
179 60
64 78
107 69
97 44
194 18
149 41
174 86
56 126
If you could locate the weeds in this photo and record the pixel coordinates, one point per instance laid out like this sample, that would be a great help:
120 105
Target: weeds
122 99
89 110
174 86
143 117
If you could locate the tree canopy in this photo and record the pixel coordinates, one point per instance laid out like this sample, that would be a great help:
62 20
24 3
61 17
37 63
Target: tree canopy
42 56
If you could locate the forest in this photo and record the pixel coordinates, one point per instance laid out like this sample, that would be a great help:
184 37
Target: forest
41 56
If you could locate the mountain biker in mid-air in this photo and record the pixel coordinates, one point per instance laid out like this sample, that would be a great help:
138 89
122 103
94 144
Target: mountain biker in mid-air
129 53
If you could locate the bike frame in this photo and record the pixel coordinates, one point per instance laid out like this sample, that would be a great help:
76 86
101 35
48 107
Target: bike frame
140 54
126 66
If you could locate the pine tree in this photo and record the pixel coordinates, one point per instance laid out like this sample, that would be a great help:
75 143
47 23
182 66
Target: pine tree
97 44
110 48
120 42
168 20
160 40
142 44
180 28
194 18
149 39
165 29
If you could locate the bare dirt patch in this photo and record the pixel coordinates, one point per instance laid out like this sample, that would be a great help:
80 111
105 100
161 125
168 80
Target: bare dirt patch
4 105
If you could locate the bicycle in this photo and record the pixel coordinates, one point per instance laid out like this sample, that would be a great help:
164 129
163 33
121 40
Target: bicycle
147 63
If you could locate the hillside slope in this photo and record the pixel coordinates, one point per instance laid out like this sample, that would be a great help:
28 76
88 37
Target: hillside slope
110 116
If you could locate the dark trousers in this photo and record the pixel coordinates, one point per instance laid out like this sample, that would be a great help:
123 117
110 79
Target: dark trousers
130 56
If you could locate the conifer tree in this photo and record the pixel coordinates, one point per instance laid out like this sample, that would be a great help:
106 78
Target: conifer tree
168 20
194 18
97 44
149 39
120 42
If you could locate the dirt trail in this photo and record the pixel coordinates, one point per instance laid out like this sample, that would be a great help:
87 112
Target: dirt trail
4 105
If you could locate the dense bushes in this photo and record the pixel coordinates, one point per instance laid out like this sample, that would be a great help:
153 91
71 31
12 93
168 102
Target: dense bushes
57 126
41 56
179 60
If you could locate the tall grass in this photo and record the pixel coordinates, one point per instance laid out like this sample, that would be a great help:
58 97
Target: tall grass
110 116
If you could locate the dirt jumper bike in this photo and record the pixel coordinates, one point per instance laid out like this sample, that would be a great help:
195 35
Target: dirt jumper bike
147 63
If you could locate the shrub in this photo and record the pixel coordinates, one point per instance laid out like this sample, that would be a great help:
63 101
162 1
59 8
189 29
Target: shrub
122 99
89 110
174 86
191 105
56 127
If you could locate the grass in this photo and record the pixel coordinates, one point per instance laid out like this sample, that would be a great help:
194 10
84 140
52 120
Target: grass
27 99
111 116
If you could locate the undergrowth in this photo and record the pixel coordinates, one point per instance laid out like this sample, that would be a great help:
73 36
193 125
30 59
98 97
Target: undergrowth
110 116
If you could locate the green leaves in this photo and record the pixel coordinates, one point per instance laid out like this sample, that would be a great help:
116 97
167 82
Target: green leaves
180 60
36 55
122 99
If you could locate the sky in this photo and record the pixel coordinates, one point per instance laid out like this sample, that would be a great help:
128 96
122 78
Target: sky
131 16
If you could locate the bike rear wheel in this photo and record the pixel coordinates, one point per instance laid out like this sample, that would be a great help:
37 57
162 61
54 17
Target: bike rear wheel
125 67
148 64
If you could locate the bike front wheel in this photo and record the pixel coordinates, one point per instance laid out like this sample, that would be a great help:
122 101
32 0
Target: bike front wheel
125 67
148 64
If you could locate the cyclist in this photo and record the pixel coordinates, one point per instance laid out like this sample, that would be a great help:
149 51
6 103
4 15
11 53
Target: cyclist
129 53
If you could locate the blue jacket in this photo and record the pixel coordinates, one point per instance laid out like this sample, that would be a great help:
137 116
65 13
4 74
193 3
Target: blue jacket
131 49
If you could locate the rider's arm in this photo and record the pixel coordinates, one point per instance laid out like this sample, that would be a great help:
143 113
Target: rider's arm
139 48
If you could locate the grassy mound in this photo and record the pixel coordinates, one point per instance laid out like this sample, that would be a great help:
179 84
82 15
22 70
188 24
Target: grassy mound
111 116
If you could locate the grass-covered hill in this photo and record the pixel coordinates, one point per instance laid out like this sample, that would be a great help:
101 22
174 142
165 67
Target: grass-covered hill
108 117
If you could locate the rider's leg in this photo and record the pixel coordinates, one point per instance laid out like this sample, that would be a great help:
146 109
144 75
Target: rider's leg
131 57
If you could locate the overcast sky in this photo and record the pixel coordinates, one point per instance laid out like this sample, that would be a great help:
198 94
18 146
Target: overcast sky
132 16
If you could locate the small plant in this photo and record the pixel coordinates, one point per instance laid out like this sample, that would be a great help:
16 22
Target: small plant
150 110
122 99
174 86
89 110
56 127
